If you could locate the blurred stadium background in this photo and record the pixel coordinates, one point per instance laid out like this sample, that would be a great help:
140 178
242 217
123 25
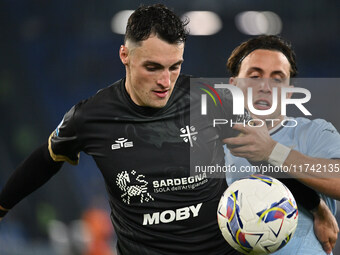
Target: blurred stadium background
55 53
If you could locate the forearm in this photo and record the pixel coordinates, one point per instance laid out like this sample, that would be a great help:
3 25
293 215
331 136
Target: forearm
37 169
320 174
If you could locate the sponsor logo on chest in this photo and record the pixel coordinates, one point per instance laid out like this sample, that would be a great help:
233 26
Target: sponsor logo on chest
169 216
189 134
121 143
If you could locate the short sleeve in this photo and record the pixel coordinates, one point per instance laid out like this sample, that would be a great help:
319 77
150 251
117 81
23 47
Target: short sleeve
325 142
63 143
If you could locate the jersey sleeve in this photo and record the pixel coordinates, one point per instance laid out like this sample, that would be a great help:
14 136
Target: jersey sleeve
325 142
64 142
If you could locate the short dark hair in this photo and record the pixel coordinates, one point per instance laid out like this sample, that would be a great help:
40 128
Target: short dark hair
155 19
267 42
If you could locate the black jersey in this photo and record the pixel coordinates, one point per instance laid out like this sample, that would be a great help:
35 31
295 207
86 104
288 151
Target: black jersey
158 205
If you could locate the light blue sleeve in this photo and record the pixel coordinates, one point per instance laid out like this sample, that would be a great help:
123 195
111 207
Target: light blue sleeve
322 140
317 138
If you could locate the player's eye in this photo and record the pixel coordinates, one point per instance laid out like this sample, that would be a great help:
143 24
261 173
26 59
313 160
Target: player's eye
254 75
277 80
174 68
151 68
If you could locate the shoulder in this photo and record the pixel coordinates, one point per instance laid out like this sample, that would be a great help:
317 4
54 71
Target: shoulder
100 103
316 138
305 129
110 92
314 126
103 96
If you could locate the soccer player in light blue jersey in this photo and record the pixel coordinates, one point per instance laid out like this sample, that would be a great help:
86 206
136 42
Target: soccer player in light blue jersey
263 63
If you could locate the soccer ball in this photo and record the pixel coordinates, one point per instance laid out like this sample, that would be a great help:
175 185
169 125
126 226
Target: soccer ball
257 215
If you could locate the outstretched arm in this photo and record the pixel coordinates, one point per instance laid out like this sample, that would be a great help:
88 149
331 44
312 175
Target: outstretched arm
318 173
256 145
36 170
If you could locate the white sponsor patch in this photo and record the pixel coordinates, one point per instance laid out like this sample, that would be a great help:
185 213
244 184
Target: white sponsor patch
172 215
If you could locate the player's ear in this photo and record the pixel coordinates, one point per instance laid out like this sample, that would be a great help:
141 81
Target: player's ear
232 80
124 54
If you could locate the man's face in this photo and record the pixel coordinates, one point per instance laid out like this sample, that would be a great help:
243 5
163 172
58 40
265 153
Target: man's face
152 69
262 70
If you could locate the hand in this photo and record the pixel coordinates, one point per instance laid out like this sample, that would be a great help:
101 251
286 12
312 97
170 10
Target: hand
254 143
326 228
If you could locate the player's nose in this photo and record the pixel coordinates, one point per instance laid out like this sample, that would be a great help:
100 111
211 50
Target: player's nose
164 79
265 85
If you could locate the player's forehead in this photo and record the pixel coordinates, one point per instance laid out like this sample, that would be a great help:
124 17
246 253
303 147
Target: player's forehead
159 51
268 61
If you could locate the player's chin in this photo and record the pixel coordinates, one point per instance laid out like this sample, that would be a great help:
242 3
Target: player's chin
160 103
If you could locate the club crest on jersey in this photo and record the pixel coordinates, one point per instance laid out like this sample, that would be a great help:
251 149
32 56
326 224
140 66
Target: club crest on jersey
189 134
121 143
133 186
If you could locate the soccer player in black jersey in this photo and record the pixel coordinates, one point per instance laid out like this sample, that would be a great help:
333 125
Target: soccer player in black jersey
140 132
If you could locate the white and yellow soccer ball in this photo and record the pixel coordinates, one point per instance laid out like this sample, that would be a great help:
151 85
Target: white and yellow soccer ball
257 215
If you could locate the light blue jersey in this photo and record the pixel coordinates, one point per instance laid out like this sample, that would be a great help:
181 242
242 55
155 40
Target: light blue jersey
315 138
